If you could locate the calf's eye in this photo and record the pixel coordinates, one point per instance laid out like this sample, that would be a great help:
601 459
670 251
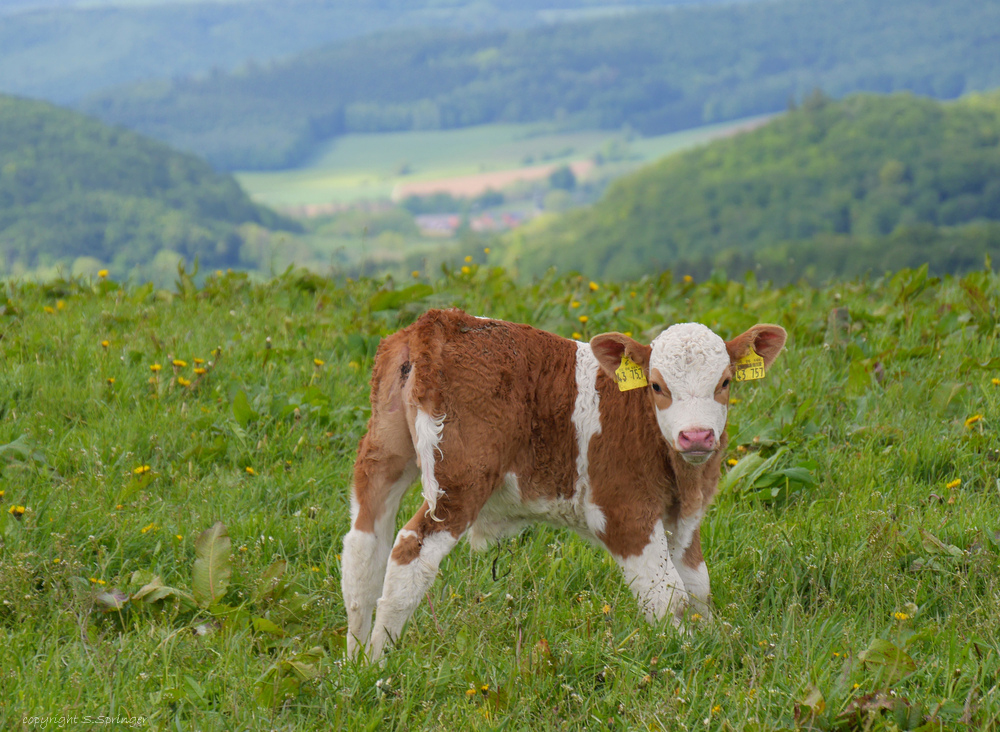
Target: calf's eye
725 383
656 387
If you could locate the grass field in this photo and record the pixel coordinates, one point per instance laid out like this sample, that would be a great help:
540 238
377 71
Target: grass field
854 546
370 166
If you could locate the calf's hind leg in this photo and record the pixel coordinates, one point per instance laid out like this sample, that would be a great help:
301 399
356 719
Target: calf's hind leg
381 477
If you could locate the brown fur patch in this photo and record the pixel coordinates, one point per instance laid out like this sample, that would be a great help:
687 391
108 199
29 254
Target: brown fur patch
693 557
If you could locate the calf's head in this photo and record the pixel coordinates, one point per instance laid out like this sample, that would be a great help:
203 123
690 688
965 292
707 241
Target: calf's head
689 369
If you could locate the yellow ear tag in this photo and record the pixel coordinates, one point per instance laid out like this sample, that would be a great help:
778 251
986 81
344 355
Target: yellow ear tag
750 367
630 375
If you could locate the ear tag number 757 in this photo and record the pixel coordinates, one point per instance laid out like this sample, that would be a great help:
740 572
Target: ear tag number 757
630 375
750 367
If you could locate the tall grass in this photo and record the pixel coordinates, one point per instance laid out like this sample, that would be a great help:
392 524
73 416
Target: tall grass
853 549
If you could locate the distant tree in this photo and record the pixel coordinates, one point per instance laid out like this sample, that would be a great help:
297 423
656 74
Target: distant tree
563 178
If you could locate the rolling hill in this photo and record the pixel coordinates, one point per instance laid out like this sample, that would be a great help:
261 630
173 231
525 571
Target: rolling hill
833 188
75 190
656 71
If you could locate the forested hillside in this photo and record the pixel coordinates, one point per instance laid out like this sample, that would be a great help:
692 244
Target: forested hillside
656 71
59 53
868 183
72 187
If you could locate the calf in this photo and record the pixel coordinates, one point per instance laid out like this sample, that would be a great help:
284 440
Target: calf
506 424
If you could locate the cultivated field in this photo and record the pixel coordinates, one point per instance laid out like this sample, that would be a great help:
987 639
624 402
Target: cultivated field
372 166
854 546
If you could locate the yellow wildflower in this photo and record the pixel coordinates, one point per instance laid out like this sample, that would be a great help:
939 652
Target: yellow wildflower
56 560
900 616
60 304
606 609
594 287
486 250
583 318
183 382
179 537
201 371
688 279
973 419
111 381
465 270
314 569
155 368
198 361
695 618
178 363
142 470
716 709
149 527
468 259
731 462
995 382
105 344
628 333
631 293
577 336
953 484
735 400
251 471
317 362
575 304
470 693
484 688
49 309
102 273
415 274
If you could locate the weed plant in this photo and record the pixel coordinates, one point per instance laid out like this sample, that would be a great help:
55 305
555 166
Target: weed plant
175 469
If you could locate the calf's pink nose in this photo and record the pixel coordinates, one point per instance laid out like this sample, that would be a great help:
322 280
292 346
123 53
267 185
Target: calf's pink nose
696 440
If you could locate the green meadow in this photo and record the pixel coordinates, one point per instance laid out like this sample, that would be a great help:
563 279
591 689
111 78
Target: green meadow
174 467
358 167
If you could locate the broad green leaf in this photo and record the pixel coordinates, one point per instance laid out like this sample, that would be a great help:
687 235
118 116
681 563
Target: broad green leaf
264 625
212 567
242 410
935 546
270 580
111 601
389 299
892 660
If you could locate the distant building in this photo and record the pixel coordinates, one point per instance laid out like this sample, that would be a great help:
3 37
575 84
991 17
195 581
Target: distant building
438 224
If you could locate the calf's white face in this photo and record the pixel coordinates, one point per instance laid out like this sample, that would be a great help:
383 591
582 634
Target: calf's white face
689 369
689 374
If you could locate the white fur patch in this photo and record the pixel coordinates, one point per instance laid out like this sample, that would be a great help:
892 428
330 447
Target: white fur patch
428 437
404 588
586 423
691 359
654 580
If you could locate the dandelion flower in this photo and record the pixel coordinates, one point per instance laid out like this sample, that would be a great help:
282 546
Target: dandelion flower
735 400
688 279
318 362
183 382
155 368
973 419
149 527
716 709
465 270
179 537
583 318
695 618
49 309
606 609
111 381
198 361
56 560
995 382
415 274
468 258
731 462
900 616
102 273
484 688
60 304
105 344
953 484
628 333
486 250
251 471
201 371
575 304
470 693
142 470
577 336
594 287
178 363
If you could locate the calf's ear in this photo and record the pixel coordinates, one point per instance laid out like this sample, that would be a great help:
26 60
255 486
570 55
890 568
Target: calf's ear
766 340
610 347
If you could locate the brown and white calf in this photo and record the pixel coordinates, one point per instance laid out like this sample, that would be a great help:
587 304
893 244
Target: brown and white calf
506 424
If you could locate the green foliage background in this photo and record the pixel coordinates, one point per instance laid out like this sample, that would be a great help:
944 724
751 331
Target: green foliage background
854 547
657 71
74 189
866 184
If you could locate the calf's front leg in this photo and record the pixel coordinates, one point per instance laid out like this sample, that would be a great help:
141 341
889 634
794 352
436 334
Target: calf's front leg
649 572
684 538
